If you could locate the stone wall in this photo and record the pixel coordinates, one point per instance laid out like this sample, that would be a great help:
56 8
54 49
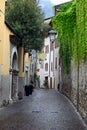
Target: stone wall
4 89
5 86
70 87
21 83
66 85
83 103
82 88
74 83
66 81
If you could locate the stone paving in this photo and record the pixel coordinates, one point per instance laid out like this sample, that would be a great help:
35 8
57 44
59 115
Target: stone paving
43 110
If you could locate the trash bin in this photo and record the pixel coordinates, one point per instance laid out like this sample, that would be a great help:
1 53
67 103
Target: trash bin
27 90
30 89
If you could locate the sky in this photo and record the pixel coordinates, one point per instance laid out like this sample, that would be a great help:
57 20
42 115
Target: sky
47 6
55 2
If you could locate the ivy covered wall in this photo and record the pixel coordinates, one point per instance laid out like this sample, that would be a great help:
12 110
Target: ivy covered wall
65 23
81 13
71 24
81 19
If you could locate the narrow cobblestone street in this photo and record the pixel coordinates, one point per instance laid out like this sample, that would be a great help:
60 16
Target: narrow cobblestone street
43 110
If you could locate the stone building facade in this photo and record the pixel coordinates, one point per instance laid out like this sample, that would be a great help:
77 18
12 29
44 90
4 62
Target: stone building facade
79 93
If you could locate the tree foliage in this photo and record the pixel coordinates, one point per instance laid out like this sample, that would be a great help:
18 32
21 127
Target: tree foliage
27 19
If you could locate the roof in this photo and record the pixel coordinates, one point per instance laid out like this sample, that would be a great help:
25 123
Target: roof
48 21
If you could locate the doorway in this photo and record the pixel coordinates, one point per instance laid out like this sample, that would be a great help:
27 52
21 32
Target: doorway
50 82
46 79
14 85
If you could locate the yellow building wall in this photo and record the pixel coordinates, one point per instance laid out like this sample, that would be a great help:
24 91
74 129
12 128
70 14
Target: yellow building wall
21 62
6 51
5 33
2 17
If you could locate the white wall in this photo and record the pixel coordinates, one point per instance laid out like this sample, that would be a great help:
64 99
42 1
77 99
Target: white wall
50 57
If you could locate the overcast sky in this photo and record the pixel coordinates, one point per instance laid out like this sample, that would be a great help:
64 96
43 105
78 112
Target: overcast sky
55 2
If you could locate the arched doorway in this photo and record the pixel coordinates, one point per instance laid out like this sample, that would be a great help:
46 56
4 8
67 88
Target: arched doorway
14 75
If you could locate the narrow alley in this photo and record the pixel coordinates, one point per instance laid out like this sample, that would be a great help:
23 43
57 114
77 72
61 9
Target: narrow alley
43 110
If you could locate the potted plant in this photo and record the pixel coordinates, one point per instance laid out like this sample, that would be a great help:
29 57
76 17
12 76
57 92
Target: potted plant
45 83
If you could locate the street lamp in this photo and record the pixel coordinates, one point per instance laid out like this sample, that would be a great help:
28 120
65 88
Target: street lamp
52 35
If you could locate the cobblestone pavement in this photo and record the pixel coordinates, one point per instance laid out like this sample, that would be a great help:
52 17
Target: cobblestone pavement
43 110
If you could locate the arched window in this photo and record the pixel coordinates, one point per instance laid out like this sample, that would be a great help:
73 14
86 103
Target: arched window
14 62
56 63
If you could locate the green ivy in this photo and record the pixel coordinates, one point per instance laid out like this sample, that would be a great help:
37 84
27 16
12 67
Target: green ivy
71 23
82 28
65 23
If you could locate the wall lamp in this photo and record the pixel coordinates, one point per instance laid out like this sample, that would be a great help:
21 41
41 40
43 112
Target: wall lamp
52 34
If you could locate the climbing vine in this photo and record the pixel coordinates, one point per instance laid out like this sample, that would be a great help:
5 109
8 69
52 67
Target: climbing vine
71 23
65 23
82 28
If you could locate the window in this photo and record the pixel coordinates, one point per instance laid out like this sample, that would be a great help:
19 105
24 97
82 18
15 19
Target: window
51 46
56 63
46 67
51 66
32 67
47 49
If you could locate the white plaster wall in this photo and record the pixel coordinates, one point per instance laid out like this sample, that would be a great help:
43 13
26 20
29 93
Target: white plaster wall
41 78
44 73
55 74
56 71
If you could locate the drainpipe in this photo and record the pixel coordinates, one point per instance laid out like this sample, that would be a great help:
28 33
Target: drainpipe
49 62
